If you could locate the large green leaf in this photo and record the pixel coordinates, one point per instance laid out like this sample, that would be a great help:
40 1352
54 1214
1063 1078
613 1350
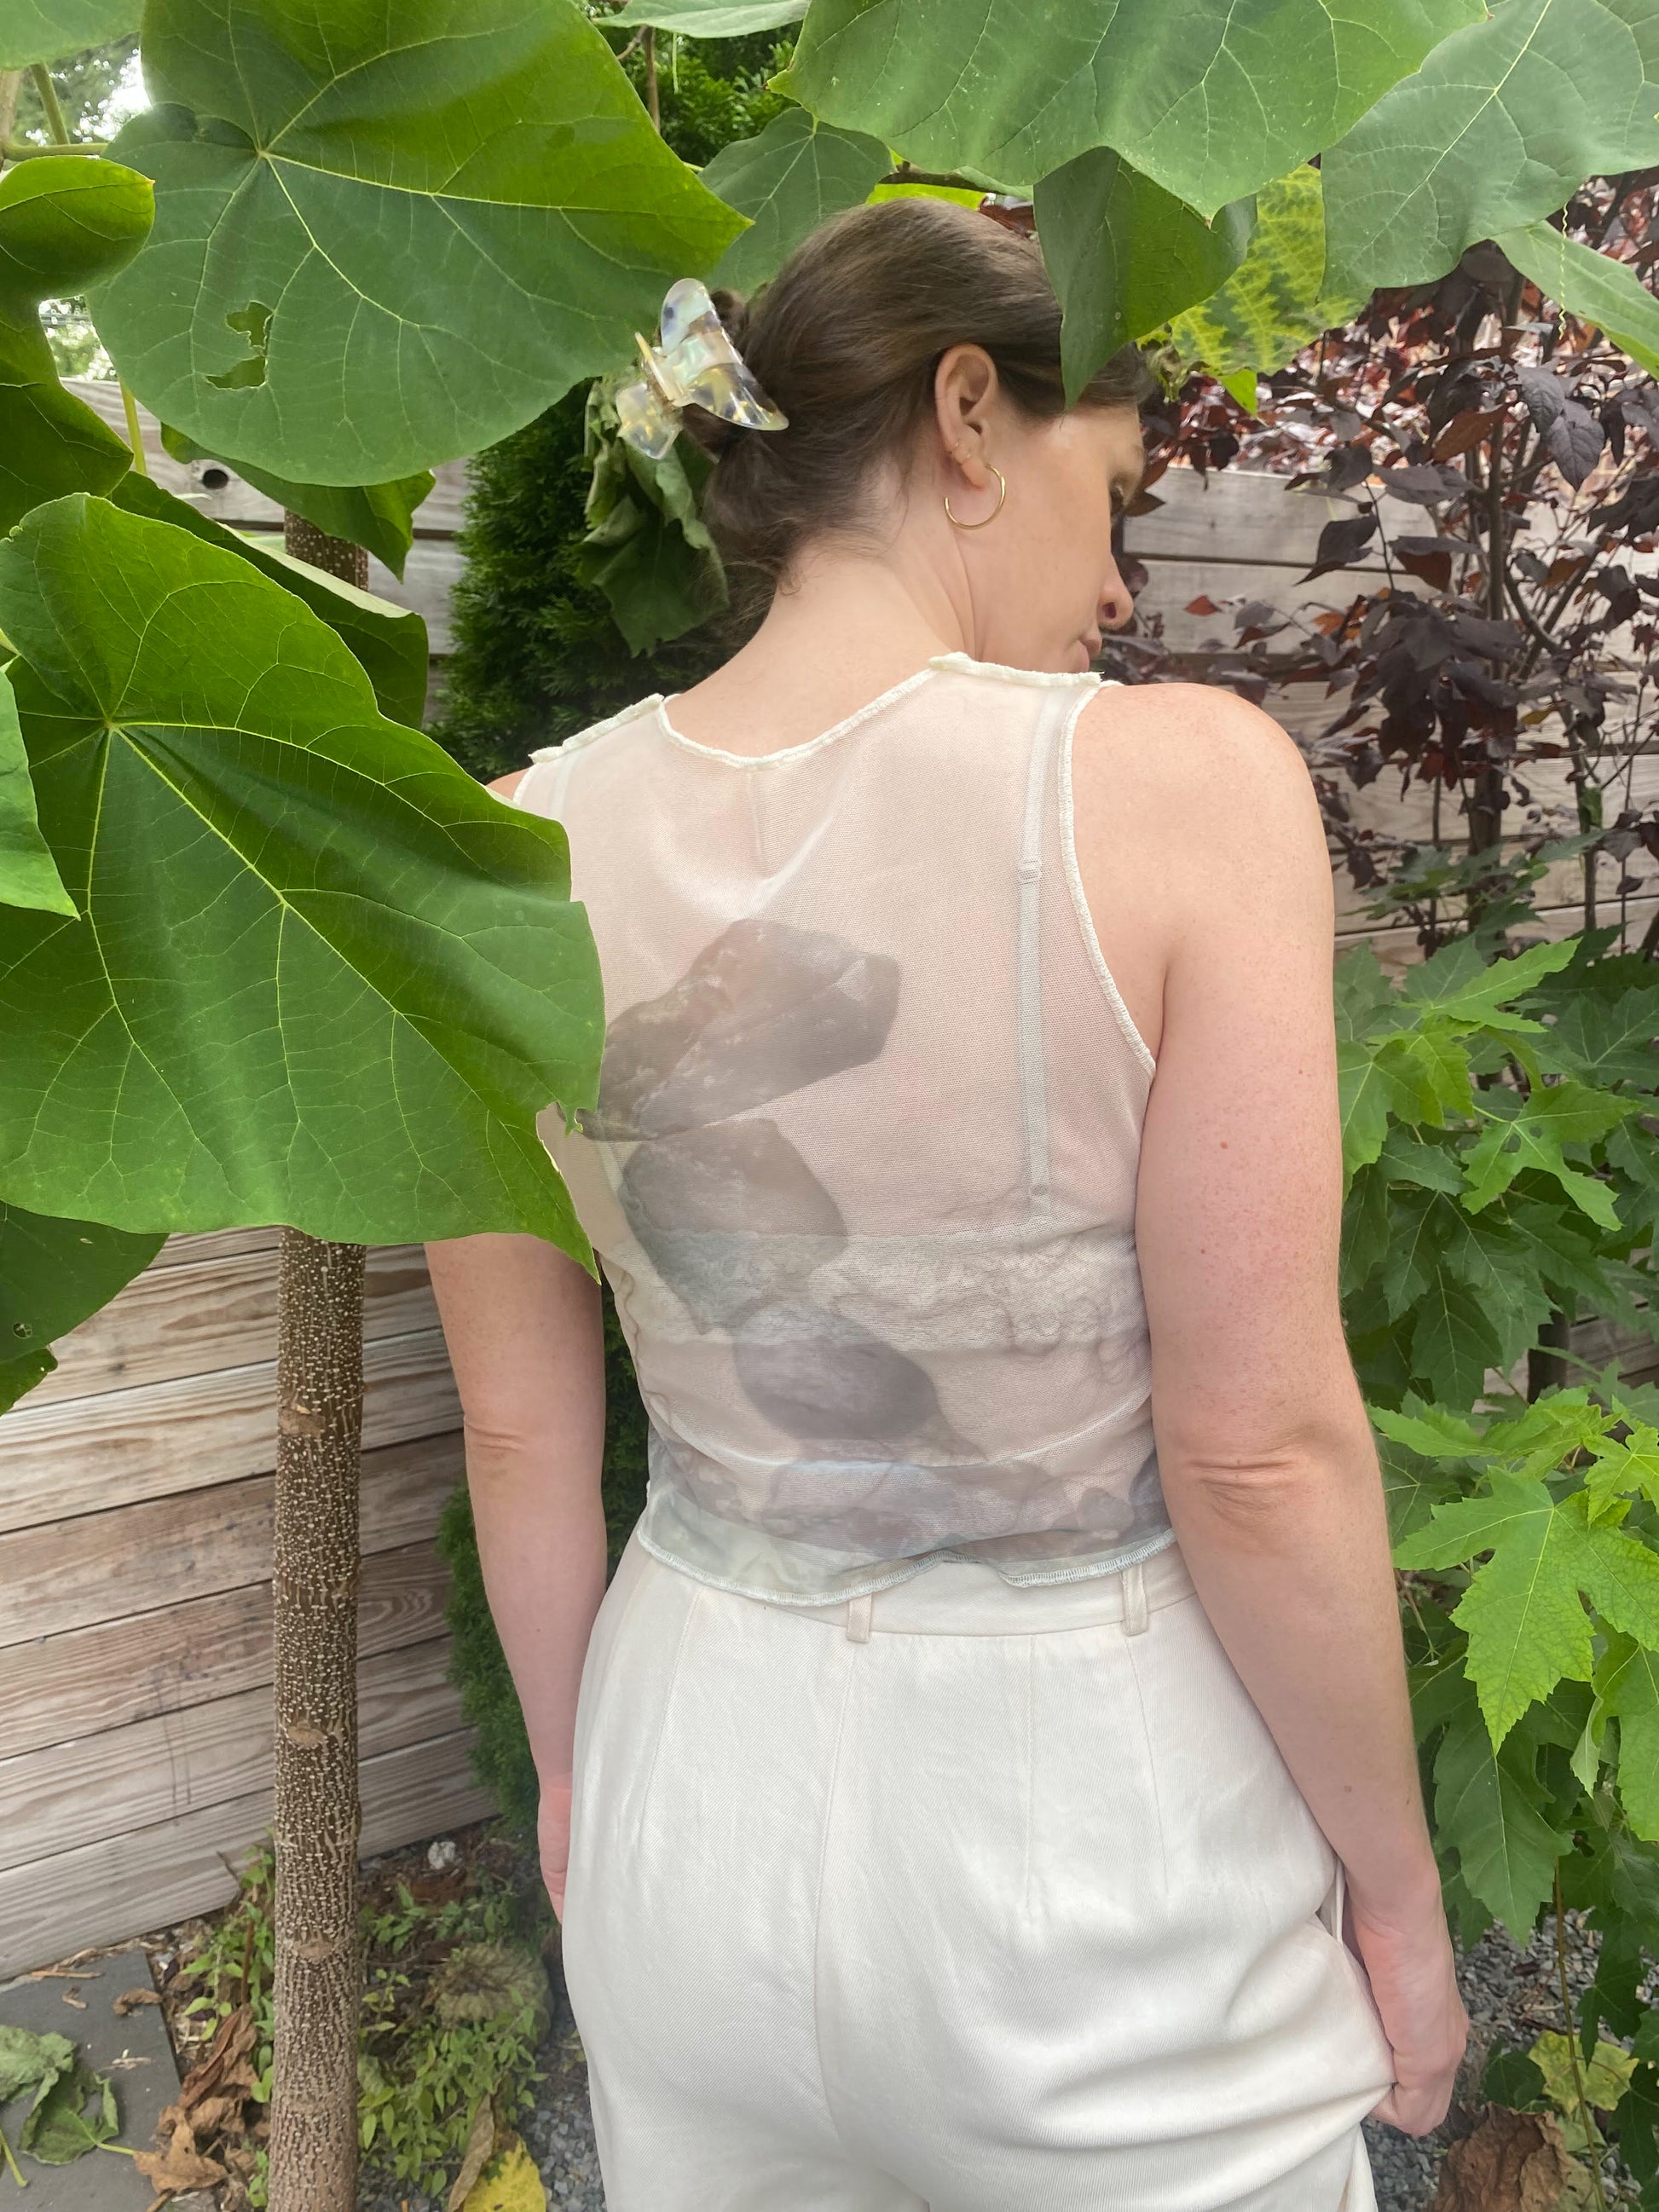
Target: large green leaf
386 237
47 30
1569 1113
64 220
1211 99
796 172
28 874
1592 285
1125 255
390 642
323 978
52 1274
1275 302
1489 1806
379 517
1501 125
712 18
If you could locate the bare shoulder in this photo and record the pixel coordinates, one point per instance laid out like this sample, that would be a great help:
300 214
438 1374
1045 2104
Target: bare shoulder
505 786
1195 745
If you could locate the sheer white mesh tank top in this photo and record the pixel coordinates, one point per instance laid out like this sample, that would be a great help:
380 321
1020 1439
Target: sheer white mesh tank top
861 1175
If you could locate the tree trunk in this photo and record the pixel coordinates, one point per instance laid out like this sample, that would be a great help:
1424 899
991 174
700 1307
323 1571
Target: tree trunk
318 1966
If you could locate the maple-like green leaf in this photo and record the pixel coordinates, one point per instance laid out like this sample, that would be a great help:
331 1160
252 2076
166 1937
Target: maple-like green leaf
1490 1808
1526 1624
1627 1683
1501 125
1604 2077
323 978
1274 303
1569 1113
1125 255
397 234
1453 1340
65 220
29 2060
1605 1040
1461 982
1590 285
1619 1468
1430 1431
1211 99
787 180
70 2117
28 874
1363 1095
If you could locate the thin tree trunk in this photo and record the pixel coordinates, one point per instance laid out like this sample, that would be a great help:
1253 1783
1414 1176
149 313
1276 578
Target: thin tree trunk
652 97
10 82
318 1966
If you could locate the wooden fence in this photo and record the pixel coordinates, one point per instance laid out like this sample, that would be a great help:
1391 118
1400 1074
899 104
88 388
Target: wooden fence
135 1482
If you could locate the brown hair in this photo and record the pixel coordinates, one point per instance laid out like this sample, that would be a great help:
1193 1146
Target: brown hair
846 339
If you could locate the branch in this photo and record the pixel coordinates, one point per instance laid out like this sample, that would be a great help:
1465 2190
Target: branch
22 150
905 174
40 77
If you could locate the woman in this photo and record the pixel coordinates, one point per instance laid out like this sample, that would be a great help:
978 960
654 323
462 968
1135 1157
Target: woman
1004 1682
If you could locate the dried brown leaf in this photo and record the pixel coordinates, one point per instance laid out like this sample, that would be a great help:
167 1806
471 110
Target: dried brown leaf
1513 2162
180 2167
129 2000
480 2142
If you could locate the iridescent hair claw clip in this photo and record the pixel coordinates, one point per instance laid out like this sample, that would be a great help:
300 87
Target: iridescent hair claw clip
696 365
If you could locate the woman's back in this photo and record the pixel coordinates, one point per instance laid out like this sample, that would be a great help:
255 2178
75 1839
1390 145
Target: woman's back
862 1171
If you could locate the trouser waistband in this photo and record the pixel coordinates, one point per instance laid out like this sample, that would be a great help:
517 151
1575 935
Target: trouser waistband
964 1597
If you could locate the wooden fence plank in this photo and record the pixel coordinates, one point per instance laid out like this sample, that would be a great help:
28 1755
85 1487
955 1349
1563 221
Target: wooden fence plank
129 1885
131 1668
213 1244
64 1795
58 1462
213 1314
135 1560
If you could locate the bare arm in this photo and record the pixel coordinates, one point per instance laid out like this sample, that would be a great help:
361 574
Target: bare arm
525 1338
1207 826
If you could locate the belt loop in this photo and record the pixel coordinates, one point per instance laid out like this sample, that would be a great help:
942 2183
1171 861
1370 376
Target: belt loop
1134 1599
859 1610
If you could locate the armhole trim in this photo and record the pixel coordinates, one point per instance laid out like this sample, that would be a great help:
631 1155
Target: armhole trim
1080 905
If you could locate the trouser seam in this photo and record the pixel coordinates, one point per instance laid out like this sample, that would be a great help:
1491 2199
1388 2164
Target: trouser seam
817 1907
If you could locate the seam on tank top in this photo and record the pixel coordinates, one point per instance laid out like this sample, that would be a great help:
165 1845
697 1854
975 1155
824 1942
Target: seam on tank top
578 739
851 1661
830 737
1033 1074
1115 1564
1080 905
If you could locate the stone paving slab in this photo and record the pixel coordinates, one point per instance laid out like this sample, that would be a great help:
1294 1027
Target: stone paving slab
135 2054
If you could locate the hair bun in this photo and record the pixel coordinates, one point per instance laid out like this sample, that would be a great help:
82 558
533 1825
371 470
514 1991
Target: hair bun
733 311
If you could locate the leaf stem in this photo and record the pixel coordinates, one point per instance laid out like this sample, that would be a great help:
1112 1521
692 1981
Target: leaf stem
41 78
1584 2119
135 435
17 2174
24 149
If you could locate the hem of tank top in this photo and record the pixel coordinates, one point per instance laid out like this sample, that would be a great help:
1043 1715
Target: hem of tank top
1114 1566
1103 975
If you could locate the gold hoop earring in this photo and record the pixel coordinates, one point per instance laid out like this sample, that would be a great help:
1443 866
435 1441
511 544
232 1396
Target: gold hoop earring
1002 494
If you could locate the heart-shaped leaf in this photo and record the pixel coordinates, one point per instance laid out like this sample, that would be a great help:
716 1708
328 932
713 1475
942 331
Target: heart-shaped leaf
1592 285
1125 256
1502 122
1275 302
379 517
323 978
390 642
386 237
52 1274
28 874
1211 99
786 181
65 220
47 30
712 18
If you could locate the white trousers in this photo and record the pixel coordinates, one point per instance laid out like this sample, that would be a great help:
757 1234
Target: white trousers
963 1897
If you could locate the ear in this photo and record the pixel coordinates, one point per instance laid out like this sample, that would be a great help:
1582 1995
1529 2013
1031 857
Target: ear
965 386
